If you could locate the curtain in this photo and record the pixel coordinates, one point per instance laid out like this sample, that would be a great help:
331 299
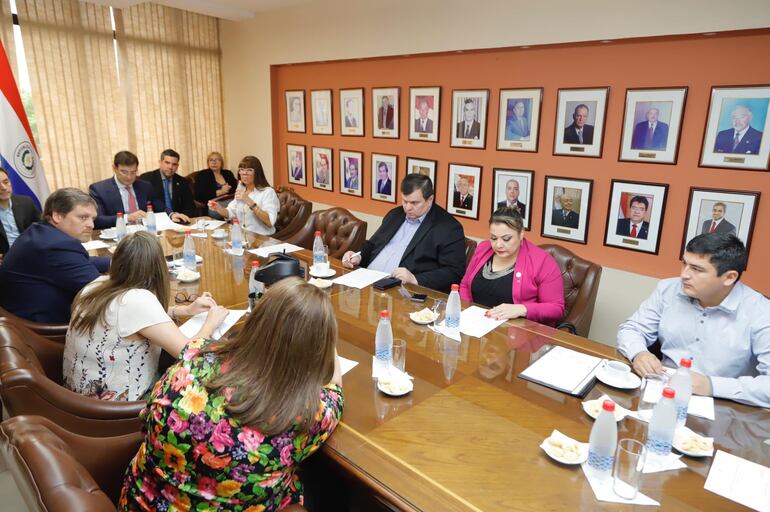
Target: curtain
6 34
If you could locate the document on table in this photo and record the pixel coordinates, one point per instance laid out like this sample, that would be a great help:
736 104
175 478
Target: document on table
194 324
264 252
740 480
473 322
565 370
360 278
213 224
164 222
346 365
92 245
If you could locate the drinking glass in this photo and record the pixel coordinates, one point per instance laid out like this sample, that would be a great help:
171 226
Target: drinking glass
629 461
399 354
651 391
439 309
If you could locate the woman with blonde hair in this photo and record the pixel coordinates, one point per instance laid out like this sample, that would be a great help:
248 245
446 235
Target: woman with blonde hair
228 424
120 324
214 181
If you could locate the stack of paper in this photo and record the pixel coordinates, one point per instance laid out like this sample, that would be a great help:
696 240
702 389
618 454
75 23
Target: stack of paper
565 370
360 278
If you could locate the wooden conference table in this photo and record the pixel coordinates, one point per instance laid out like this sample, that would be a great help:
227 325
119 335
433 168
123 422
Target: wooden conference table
467 438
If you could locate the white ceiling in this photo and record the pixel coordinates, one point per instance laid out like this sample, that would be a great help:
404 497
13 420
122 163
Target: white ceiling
235 10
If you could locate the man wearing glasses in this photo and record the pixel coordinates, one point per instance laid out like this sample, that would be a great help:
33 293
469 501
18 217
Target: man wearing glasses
123 193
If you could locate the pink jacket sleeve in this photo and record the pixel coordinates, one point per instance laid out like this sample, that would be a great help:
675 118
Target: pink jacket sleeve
549 306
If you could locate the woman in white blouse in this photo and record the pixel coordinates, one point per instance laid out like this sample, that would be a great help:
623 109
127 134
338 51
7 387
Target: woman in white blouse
257 206
119 325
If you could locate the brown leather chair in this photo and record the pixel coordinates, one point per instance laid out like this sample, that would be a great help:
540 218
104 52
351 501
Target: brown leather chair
55 332
470 248
58 470
581 284
293 214
341 231
30 383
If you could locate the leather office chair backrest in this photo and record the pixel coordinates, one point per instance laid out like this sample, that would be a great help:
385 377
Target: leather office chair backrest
55 332
341 231
470 248
293 214
30 383
581 284
57 470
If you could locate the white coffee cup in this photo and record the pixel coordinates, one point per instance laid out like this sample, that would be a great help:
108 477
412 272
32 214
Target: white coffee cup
219 233
617 370
321 268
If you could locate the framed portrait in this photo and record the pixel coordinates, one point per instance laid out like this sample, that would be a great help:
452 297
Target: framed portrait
635 215
464 190
469 118
721 211
580 117
351 173
295 111
322 111
384 177
322 169
518 124
424 109
422 166
736 135
385 103
513 188
567 207
652 125
352 112
296 164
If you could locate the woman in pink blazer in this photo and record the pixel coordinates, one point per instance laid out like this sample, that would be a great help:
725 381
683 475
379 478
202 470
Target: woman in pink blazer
513 277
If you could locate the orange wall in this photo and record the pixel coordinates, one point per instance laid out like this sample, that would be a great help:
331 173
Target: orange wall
697 62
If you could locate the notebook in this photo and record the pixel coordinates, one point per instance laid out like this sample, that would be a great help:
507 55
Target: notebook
565 370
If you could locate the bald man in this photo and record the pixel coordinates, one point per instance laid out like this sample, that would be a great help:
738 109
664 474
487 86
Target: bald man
741 138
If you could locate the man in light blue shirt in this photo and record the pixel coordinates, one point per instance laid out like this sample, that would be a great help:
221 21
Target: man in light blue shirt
708 315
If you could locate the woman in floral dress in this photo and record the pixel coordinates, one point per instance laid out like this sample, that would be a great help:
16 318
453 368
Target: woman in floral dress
229 422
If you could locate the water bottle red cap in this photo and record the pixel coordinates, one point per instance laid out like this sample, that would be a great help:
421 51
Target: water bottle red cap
669 392
188 232
608 405
455 287
149 207
384 313
120 214
317 233
254 263
235 220
686 362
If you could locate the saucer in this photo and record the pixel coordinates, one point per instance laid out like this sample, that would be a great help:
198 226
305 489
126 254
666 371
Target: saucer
557 453
217 237
329 273
413 316
385 388
108 234
320 283
188 276
632 381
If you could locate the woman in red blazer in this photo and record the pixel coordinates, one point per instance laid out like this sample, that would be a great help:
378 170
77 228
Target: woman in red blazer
513 277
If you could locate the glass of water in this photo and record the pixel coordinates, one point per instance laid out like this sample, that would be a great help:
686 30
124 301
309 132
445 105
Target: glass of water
652 390
629 461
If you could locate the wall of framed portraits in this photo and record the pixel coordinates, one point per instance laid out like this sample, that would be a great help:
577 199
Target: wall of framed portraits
619 151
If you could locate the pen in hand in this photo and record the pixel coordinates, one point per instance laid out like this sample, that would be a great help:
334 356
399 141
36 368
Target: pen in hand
347 260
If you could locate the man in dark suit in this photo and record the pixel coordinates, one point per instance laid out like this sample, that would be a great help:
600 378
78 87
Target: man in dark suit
350 113
579 132
418 243
123 193
385 115
462 197
297 166
741 138
17 213
650 134
512 198
48 266
383 179
423 124
175 190
718 223
565 216
468 128
635 226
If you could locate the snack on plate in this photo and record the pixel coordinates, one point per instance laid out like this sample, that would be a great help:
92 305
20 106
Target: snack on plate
424 315
187 276
320 283
567 450
696 444
395 384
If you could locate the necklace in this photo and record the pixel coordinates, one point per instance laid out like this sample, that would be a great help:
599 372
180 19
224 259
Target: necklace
490 274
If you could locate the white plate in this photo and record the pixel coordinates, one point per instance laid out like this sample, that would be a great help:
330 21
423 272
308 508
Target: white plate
188 276
224 235
108 234
320 283
550 450
413 315
682 434
234 252
328 273
589 406
632 380
408 390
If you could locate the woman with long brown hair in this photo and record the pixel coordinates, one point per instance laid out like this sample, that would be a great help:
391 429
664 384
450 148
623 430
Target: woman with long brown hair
119 325
227 425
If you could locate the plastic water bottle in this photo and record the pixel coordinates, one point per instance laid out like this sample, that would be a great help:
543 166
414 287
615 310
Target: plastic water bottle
188 251
319 252
681 381
256 288
603 440
120 227
660 433
383 344
453 308
236 239
240 206
149 220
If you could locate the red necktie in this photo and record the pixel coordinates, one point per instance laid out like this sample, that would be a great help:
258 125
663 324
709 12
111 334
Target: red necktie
132 206
633 231
713 226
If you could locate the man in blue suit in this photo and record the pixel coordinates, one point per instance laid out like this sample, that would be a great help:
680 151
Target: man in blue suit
650 134
123 193
635 226
741 138
47 265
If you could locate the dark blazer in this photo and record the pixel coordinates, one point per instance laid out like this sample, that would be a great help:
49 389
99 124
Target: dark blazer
385 119
206 185
181 192
572 220
350 122
464 205
624 228
385 187
436 254
108 202
570 135
42 273
428 126
475 130
749 144
521 206
722 227
24 212
659 136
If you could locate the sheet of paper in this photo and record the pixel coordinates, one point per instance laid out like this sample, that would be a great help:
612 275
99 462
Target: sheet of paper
740 480
346 365
442 329
602 488
164 222
702 406
194 324
214 224
360 278
199 235
474 323
563 369
264 252
92 245
654 464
